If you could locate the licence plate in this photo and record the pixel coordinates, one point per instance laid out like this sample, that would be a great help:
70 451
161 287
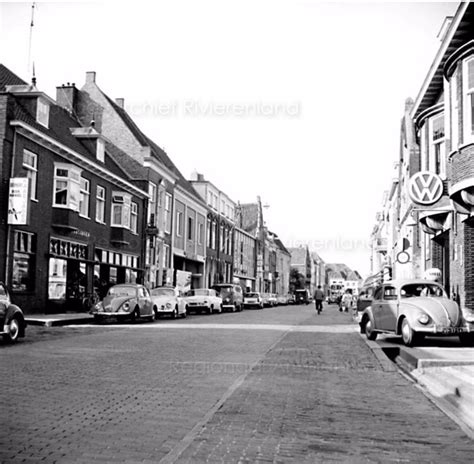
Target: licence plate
453 330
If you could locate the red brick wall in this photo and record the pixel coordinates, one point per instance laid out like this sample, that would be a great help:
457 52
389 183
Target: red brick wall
469 263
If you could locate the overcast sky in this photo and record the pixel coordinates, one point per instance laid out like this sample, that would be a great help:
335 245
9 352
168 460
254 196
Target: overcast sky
296 101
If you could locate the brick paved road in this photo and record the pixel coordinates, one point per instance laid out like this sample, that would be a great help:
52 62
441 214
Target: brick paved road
180 393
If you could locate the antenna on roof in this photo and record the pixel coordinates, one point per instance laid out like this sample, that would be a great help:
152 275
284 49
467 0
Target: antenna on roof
32 23
33 79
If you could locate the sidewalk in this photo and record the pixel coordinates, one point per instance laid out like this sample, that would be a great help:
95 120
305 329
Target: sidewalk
50 320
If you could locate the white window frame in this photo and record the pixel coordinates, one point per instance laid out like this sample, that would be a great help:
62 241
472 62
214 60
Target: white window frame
73 187
200 232
179 223
84 198
42 112
468 103
31 172
124 207
100 199
152 189
100 150
134 217
166 253
168 199
454 112
437 145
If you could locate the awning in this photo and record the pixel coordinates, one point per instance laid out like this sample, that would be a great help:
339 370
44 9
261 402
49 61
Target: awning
462 196
436 219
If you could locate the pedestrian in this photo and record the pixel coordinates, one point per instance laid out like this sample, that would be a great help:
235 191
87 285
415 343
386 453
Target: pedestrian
318 299
346 301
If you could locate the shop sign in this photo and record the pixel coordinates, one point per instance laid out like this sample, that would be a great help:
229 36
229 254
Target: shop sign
18 201
425 188
403 257
59 247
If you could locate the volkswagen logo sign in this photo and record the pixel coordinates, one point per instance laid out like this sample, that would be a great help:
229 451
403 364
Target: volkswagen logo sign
425 188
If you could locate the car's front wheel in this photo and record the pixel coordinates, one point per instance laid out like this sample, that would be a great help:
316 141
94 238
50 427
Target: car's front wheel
409 336
13 330
369 329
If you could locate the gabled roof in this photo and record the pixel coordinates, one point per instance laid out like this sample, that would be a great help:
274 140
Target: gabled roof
299 255
7 77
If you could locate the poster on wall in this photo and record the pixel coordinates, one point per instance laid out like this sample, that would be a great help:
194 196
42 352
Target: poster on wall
18 201
183 281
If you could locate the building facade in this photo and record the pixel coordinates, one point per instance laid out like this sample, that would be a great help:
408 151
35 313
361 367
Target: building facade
71 221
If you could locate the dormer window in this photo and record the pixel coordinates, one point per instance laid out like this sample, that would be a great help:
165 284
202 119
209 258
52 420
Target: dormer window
42 112
101 150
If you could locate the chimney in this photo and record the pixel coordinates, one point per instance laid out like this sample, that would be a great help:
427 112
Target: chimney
120 102
90 77
66 96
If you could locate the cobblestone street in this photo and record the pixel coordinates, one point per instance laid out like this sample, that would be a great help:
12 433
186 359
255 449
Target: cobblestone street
308 390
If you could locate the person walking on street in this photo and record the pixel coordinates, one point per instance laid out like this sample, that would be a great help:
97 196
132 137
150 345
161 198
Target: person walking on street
346 301
318 298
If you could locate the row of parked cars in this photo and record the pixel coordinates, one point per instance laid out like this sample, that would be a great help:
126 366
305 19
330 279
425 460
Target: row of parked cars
133 301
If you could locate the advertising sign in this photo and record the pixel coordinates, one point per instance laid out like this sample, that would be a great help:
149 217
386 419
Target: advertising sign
425 188
183 281
18 201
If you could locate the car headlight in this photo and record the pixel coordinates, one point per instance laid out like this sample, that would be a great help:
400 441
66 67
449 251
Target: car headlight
227 300
423 319
168 305
125 307
205 302
468 314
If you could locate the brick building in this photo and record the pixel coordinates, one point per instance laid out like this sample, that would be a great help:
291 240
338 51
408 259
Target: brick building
71 217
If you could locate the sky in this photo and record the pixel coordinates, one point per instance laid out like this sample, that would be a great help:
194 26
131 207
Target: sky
296 101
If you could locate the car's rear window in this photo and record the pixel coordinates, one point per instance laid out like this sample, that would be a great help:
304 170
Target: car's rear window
123 291
413 290
251 295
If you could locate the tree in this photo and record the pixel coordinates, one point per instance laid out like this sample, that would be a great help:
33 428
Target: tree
297 280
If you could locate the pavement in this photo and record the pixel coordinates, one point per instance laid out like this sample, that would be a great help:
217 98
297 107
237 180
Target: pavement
446 374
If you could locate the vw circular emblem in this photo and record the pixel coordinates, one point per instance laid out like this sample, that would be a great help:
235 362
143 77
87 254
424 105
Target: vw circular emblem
425 188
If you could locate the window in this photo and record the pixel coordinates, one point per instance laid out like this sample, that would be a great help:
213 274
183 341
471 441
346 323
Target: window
468 100
121 204
378 294
166 254
134 218
190 228
221 238
213 235
223 207
100 205
167 212
390 293
454 113
30 163
24 254
179 223
437 151
100 150
42 112
209 231
152 204
67 187
200 233
84 198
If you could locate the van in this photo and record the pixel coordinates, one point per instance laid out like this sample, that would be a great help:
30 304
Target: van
232 296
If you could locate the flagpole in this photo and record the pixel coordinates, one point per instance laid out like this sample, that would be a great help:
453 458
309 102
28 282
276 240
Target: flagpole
31 35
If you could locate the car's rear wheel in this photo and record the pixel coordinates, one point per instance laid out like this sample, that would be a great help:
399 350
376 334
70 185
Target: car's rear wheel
13 330
369 329
409 336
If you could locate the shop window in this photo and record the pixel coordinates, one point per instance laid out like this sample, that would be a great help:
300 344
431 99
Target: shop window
67 187
100 205
134 217
30 164
84 198
468 100
57 279
113 275
24 260
121 204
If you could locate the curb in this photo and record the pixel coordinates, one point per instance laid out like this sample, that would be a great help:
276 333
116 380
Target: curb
58 322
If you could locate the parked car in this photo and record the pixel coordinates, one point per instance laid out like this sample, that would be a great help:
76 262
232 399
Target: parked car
232 296
167 301
272 298
253 300
125 301
364 299
282 299
12 319
203 300
291 298
266 300
414 309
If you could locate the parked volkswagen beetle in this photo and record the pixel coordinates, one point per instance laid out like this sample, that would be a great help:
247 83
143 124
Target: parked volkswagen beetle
413 309
125 301
12 320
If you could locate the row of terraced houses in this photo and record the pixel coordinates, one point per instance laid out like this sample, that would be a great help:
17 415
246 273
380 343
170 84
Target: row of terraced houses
426 224
87 200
